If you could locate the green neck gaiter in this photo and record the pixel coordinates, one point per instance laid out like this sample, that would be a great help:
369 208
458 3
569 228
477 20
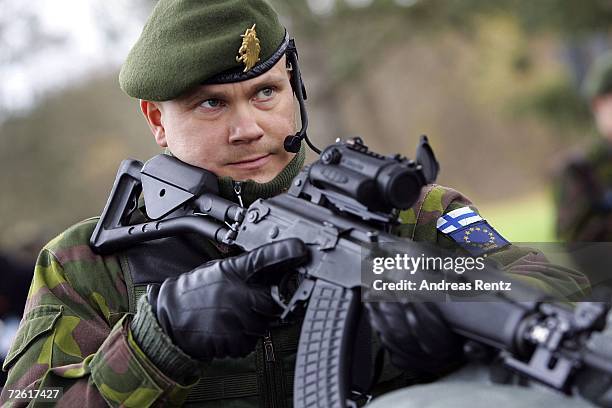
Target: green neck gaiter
251 190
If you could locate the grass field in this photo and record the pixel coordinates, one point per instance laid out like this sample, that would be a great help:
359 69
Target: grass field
528 219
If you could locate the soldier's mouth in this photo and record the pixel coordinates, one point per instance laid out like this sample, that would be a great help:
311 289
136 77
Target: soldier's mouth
252 162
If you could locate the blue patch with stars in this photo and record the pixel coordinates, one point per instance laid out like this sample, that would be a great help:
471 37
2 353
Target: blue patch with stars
479 238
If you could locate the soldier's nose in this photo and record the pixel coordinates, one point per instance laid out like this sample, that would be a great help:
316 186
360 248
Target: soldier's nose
244 127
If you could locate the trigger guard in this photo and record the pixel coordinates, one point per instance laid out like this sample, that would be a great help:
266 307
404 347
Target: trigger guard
277 297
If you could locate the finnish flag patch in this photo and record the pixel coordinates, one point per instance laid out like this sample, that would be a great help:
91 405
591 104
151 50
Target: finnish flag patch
471 231
457 219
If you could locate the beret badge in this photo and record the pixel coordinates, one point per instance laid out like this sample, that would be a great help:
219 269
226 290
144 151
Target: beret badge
248 53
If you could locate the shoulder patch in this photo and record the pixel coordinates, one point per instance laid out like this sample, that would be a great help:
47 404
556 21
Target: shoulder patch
471 231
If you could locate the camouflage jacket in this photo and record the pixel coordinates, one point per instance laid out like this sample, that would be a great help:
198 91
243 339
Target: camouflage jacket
75 332
583 196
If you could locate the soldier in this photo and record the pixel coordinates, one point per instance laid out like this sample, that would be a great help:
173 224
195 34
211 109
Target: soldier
215 82
583 194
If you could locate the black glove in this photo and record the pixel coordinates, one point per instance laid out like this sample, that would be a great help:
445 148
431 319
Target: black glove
221 308
415 335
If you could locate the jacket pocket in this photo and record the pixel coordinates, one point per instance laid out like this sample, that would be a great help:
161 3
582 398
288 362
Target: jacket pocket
37 322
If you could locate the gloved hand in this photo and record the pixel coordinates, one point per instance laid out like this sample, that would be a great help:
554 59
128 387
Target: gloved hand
415 335
221 308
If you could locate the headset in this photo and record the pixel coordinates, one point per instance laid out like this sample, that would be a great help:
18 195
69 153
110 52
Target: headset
292 142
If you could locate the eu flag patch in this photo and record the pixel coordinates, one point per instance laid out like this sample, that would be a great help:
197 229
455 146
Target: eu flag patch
479 238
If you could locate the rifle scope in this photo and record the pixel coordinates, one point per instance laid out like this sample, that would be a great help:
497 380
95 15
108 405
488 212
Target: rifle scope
381 183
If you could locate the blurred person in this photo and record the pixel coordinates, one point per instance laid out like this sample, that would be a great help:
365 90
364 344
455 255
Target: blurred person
583 191
186 321
17 275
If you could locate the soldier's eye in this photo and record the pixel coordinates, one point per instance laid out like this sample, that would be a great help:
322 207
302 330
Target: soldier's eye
265 93
211 103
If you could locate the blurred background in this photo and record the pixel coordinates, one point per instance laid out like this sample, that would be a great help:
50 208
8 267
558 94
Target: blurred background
495 85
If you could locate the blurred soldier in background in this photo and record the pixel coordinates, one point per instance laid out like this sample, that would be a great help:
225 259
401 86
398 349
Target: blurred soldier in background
583 191
16 277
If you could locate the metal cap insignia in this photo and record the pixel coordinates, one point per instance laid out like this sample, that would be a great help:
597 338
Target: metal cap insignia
248 53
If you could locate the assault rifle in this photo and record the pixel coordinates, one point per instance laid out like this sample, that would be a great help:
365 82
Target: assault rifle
347 199
342 206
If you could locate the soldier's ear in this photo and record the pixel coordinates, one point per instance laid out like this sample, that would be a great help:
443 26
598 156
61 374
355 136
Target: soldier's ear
153 115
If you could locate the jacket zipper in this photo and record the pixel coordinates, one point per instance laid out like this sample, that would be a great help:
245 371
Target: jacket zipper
270 371
269 348
238 191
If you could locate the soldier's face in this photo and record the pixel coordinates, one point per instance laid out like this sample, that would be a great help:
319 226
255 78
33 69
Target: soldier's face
234 130
602 110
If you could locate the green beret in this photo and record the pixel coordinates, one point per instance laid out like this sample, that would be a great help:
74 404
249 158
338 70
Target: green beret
599 79
185 43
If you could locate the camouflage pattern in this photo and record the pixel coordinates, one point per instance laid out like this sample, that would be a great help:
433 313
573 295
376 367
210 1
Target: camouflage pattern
583 196
75 332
